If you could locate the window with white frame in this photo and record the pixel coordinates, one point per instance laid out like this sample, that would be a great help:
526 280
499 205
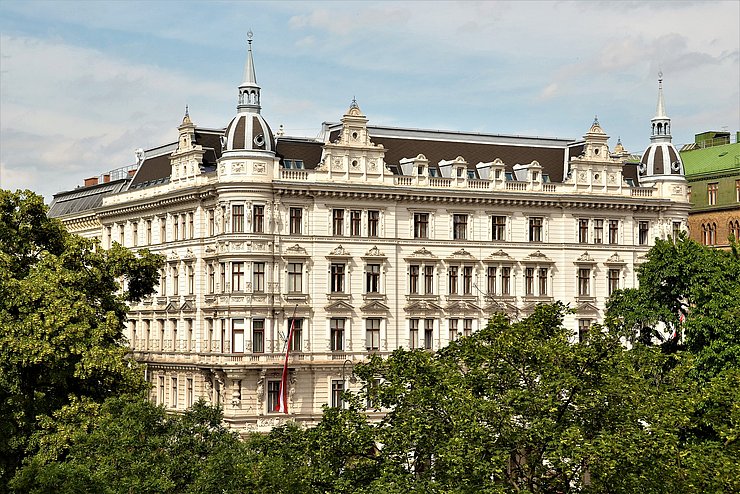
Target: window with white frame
296 221
428 334
337 275
295 277
373 223
583 231
372 334
598 231
421 225
355 222
273 396
498 228
337 222
237 218
584 282
237 336
336 330
237 276
459 226
258 218
337 392
258 277
535 229
372 278
613 232
413 333
258 336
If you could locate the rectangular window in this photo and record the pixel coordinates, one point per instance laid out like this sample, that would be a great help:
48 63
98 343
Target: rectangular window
295 277
135 234
452 277
237 276
583 231
535 229
421 225
163 283
529 281
737 191
505 281
467 327
121 234
583 326
296 221
676 229
191 280
373 223
688 193
211 222
189 392
598 231
173 393
184 232
429 280
584 279
372 278
613 280
498 228
175 280
237 218
643 227
258 219
372 334
355 222
296 342
413 334
237 336
258 336
467 280
160 394
258 277
712 193
428 333
336 328
453 329
273 396
491 280
148 232
414 279
459 226
108 237
223 276
175 227
211 278
613 231
542 280
338 222
162 230
337 390
191 225
337 278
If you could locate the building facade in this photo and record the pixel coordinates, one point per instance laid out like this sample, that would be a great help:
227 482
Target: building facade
365 239
713 174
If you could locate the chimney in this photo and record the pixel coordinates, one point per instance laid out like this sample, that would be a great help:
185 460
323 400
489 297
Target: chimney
91 181
106 178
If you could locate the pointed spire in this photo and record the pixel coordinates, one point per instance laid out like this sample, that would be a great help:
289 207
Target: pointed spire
249 91
596 121
660 110
250 79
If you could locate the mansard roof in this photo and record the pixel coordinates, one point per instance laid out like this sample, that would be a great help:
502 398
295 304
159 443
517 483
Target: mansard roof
84 198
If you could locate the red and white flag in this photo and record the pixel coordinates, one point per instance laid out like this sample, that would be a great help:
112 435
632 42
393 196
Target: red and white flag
282 405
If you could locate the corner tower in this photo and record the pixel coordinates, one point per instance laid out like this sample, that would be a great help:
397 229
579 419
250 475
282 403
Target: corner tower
661 161
248 145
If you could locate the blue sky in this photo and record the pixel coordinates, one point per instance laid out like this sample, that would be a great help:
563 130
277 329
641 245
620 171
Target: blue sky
83 84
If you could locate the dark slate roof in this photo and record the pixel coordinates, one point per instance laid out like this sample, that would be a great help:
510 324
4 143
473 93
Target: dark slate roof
308 150
84 198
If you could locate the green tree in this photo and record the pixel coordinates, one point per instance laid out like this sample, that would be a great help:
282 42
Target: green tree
130 445
517 407
685 280
62 313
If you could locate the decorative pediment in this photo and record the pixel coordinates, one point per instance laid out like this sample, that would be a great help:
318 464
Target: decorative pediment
461 254
375 307
500 256
585 258
641 259
171 308
538 257
189 254
587 308
339 306
339 252
614 259
295 251
187 306
422 307
422 253
462 306
172 256
501 306
374 252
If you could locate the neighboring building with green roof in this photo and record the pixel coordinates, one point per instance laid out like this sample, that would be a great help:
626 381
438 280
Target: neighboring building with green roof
712 165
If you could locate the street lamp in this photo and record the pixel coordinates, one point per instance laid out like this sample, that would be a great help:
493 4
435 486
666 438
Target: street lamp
352 378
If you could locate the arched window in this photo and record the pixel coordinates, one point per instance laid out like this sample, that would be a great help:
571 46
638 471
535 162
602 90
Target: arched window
709 233
735 229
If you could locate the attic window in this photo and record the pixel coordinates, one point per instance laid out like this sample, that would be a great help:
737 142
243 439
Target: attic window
471 175
287 164
433 172
298 164
509 177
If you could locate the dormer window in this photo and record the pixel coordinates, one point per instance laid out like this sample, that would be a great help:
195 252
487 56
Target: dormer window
433 172
509 176
471 175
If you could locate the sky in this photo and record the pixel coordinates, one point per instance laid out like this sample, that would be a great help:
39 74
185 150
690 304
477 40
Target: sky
84 84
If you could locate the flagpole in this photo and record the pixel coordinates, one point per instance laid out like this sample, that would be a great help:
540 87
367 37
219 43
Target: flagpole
282 405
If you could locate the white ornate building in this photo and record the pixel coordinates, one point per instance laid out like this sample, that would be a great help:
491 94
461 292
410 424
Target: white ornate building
371 238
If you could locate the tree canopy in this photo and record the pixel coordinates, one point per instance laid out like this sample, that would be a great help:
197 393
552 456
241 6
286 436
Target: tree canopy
62 313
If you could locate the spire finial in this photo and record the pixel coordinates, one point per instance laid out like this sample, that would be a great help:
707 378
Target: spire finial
596 121
354 103
250 35
187 112
660 110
